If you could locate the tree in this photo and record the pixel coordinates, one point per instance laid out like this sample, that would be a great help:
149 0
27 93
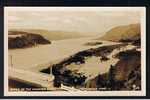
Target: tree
104 58
67 73
56 69
111 81
57 81
100 81
19 42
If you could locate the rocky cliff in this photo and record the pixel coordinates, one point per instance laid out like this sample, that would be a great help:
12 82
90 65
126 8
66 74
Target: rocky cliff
17 39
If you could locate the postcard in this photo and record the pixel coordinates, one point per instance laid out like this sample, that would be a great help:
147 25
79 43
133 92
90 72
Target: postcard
75 51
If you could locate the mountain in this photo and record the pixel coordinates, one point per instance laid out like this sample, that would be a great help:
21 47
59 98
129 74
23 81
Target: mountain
18 39
52 35
124 33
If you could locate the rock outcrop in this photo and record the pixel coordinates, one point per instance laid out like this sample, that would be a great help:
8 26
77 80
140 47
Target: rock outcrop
125 33
18 39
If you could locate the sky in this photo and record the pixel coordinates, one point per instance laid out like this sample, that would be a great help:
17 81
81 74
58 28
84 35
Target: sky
86 21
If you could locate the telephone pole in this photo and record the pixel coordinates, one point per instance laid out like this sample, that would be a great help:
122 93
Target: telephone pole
50 70
11 61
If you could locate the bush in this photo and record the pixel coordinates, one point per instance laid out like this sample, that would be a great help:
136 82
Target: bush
56 69
57 81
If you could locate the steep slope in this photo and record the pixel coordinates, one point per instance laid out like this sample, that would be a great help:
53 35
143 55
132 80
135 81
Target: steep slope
18 39
52 35
125 33
124 75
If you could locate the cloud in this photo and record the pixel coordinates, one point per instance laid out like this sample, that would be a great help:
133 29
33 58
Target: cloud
86 22
13 18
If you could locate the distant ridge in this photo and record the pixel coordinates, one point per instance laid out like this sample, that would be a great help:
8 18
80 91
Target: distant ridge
52 35
122 33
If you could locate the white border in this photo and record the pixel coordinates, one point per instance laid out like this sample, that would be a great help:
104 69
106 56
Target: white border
79 93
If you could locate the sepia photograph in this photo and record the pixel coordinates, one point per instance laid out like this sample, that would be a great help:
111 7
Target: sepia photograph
75 51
